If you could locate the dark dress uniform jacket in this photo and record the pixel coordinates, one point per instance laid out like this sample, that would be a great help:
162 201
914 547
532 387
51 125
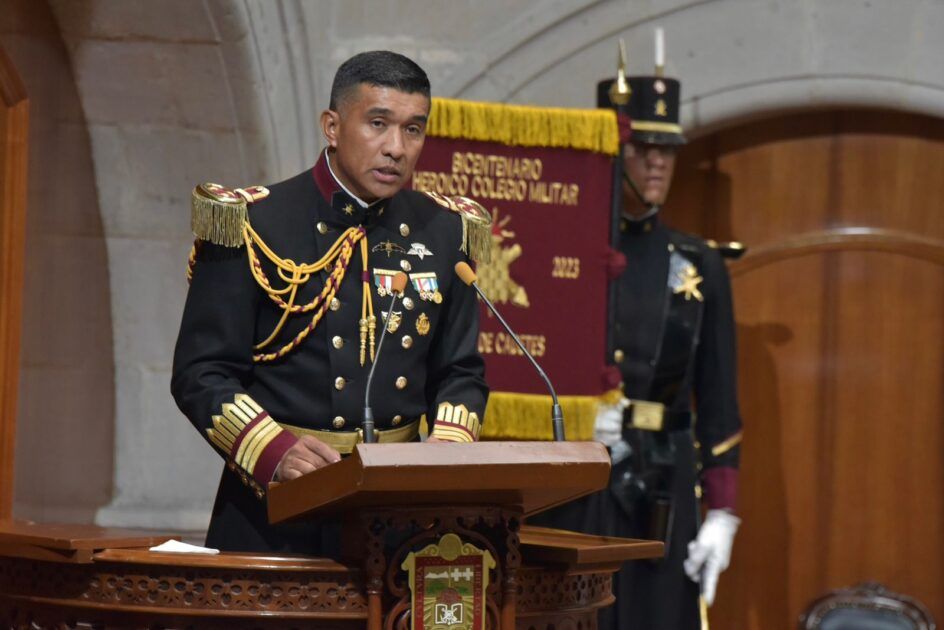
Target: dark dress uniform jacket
678 351
428 367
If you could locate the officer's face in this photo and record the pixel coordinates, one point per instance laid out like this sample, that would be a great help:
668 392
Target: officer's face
650 166
376 137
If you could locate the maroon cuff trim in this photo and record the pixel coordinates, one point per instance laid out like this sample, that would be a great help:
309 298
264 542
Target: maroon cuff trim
720 484
271 456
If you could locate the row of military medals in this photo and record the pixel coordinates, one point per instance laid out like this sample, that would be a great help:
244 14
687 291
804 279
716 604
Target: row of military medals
426 284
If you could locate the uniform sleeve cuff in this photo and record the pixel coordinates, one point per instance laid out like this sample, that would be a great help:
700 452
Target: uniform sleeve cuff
721 485
455 423
250 438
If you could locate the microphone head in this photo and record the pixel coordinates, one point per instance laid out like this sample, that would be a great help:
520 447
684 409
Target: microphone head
399 282
465 273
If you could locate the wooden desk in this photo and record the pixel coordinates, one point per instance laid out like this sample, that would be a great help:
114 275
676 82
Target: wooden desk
55 574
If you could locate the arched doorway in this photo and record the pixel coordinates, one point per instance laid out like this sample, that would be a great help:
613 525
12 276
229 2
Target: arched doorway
14 124
840 310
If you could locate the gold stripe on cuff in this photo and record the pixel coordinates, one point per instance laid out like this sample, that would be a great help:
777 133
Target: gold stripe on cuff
261 444
220 442
723 447
237 415
269 430
248 439
459 415
452 435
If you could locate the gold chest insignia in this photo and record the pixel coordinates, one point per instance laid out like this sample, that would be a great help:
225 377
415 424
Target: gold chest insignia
422 324
684 278
393 320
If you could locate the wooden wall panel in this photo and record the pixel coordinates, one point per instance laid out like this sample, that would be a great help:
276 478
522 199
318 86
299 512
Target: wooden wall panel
840 309
14 122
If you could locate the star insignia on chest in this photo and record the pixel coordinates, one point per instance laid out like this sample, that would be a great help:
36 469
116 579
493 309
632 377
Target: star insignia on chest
348 209
688 284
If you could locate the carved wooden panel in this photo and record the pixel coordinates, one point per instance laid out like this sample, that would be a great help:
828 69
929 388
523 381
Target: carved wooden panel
839 304
14 125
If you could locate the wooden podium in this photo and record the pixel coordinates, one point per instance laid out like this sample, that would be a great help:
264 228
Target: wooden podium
396 498
393 499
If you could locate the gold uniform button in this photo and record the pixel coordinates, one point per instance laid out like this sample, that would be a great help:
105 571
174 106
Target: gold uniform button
322 227
339 383
338 422
337 342
335 304
405 265
396 420
401 382
406 342
408 303
618 356
404 229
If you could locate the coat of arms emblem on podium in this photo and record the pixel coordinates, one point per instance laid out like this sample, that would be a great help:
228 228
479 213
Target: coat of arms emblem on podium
447 584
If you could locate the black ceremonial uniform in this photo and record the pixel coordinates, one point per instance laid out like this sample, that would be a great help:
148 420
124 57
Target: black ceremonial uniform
253 409
673 338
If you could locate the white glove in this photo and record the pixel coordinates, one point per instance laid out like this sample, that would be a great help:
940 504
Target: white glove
710 553
608 426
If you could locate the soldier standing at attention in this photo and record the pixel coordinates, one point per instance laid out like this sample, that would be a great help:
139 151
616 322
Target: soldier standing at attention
673 340
288 295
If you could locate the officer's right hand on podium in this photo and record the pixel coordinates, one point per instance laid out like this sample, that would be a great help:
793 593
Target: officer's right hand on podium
308 454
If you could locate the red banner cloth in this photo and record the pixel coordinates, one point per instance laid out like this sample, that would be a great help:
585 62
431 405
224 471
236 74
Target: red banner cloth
550 256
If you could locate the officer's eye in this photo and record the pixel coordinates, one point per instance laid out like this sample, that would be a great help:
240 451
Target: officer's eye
377 123
414 130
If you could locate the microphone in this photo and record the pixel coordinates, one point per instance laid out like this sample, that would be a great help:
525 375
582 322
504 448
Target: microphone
465 273
399 283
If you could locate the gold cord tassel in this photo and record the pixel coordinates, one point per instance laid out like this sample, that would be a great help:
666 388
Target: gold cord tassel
372 329
362 323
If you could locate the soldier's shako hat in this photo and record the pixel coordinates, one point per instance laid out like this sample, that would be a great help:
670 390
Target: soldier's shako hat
653 108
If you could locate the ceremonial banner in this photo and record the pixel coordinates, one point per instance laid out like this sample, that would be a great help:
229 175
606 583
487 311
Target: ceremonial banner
545 176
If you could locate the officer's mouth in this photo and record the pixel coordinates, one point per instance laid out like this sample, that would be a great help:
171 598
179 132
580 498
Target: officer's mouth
386 175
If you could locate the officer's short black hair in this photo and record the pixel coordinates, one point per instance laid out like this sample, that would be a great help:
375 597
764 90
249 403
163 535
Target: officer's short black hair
381 68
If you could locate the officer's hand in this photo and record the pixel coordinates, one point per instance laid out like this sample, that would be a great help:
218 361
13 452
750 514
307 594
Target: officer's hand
435 439
308 454
710 552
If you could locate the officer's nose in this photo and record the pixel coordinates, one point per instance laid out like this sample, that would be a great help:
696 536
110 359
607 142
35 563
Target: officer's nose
394 146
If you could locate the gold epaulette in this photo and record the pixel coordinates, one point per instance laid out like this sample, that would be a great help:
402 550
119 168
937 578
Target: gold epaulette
728 249
220 214
476 224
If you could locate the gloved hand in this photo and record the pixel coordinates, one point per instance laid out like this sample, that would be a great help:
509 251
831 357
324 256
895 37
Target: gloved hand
608 426
710 553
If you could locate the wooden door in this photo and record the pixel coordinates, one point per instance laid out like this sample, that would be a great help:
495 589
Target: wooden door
840 312
14 121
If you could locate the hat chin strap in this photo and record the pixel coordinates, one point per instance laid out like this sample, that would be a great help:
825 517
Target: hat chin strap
652 207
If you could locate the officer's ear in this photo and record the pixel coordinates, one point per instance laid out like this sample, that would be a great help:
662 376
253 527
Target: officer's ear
330 121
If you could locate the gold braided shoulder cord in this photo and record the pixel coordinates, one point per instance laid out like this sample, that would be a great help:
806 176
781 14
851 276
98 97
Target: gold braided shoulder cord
295 275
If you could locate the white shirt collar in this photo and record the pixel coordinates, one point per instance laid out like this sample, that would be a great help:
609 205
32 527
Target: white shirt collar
360 202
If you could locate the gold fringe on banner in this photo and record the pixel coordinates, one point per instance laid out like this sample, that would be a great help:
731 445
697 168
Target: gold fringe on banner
525 126
511 416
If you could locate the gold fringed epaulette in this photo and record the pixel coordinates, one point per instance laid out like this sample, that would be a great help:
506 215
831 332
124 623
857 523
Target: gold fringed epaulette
220 214
476 225
728 249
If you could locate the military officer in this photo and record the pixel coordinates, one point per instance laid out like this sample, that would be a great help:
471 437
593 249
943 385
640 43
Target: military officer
291 288
673 339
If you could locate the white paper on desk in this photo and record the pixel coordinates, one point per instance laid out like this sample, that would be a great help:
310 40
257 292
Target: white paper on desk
175 546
